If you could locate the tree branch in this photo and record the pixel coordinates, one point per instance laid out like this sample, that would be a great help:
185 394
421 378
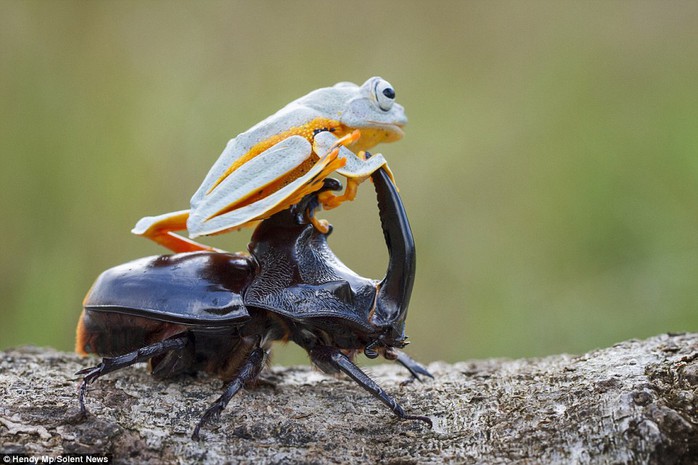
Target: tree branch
634 402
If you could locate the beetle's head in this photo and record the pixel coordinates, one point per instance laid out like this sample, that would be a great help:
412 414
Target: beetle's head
386 343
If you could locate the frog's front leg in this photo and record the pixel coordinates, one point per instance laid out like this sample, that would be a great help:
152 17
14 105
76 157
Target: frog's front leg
357 169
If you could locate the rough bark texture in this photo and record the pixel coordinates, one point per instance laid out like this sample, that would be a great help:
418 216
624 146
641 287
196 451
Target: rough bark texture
634 402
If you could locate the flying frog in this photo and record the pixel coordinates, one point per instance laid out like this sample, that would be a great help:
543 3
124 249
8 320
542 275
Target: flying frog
277 162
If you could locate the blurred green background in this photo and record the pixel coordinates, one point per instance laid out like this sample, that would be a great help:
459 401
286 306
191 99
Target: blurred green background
550 165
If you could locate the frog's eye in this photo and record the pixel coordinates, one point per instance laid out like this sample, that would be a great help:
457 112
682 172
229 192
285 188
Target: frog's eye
384 94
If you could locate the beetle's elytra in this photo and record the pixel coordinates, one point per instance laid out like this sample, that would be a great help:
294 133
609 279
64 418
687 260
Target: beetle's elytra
219 312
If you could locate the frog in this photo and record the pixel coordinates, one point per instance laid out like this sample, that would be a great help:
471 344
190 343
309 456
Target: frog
288 155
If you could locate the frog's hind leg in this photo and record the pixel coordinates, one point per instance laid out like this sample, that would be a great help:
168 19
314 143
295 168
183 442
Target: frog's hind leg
236 203
160 229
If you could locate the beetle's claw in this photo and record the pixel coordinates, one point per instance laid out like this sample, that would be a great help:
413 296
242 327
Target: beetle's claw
213 413
196 434
91 374
414 367
304 211
426 420
82 390
330 184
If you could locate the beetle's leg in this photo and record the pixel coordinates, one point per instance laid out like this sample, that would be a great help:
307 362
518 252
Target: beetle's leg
110 364
414 367
248 371
160 229
304 210
332 359
330 201
323 226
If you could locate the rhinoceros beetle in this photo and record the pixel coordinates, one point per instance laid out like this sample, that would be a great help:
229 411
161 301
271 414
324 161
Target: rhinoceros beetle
220 312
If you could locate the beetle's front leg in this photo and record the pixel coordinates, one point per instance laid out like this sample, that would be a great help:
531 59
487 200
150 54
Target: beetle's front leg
305 209
331 359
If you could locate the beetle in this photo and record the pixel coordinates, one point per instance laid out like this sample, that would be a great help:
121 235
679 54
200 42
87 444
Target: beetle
219 312
278 161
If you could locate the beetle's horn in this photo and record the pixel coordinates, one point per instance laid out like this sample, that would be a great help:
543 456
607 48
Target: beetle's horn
396 288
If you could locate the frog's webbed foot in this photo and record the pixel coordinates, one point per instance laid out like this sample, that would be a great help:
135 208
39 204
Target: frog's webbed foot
357 169
330 201
161 229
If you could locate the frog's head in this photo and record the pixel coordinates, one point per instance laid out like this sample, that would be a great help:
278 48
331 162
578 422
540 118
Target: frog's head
372 109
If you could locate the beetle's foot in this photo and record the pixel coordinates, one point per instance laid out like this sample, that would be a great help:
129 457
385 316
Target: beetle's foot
305 209
82 389
248 372
330 359
322 226
91 374
213 413
110 364
415 368
426 420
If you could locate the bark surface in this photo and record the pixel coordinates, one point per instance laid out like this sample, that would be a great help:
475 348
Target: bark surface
634 402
